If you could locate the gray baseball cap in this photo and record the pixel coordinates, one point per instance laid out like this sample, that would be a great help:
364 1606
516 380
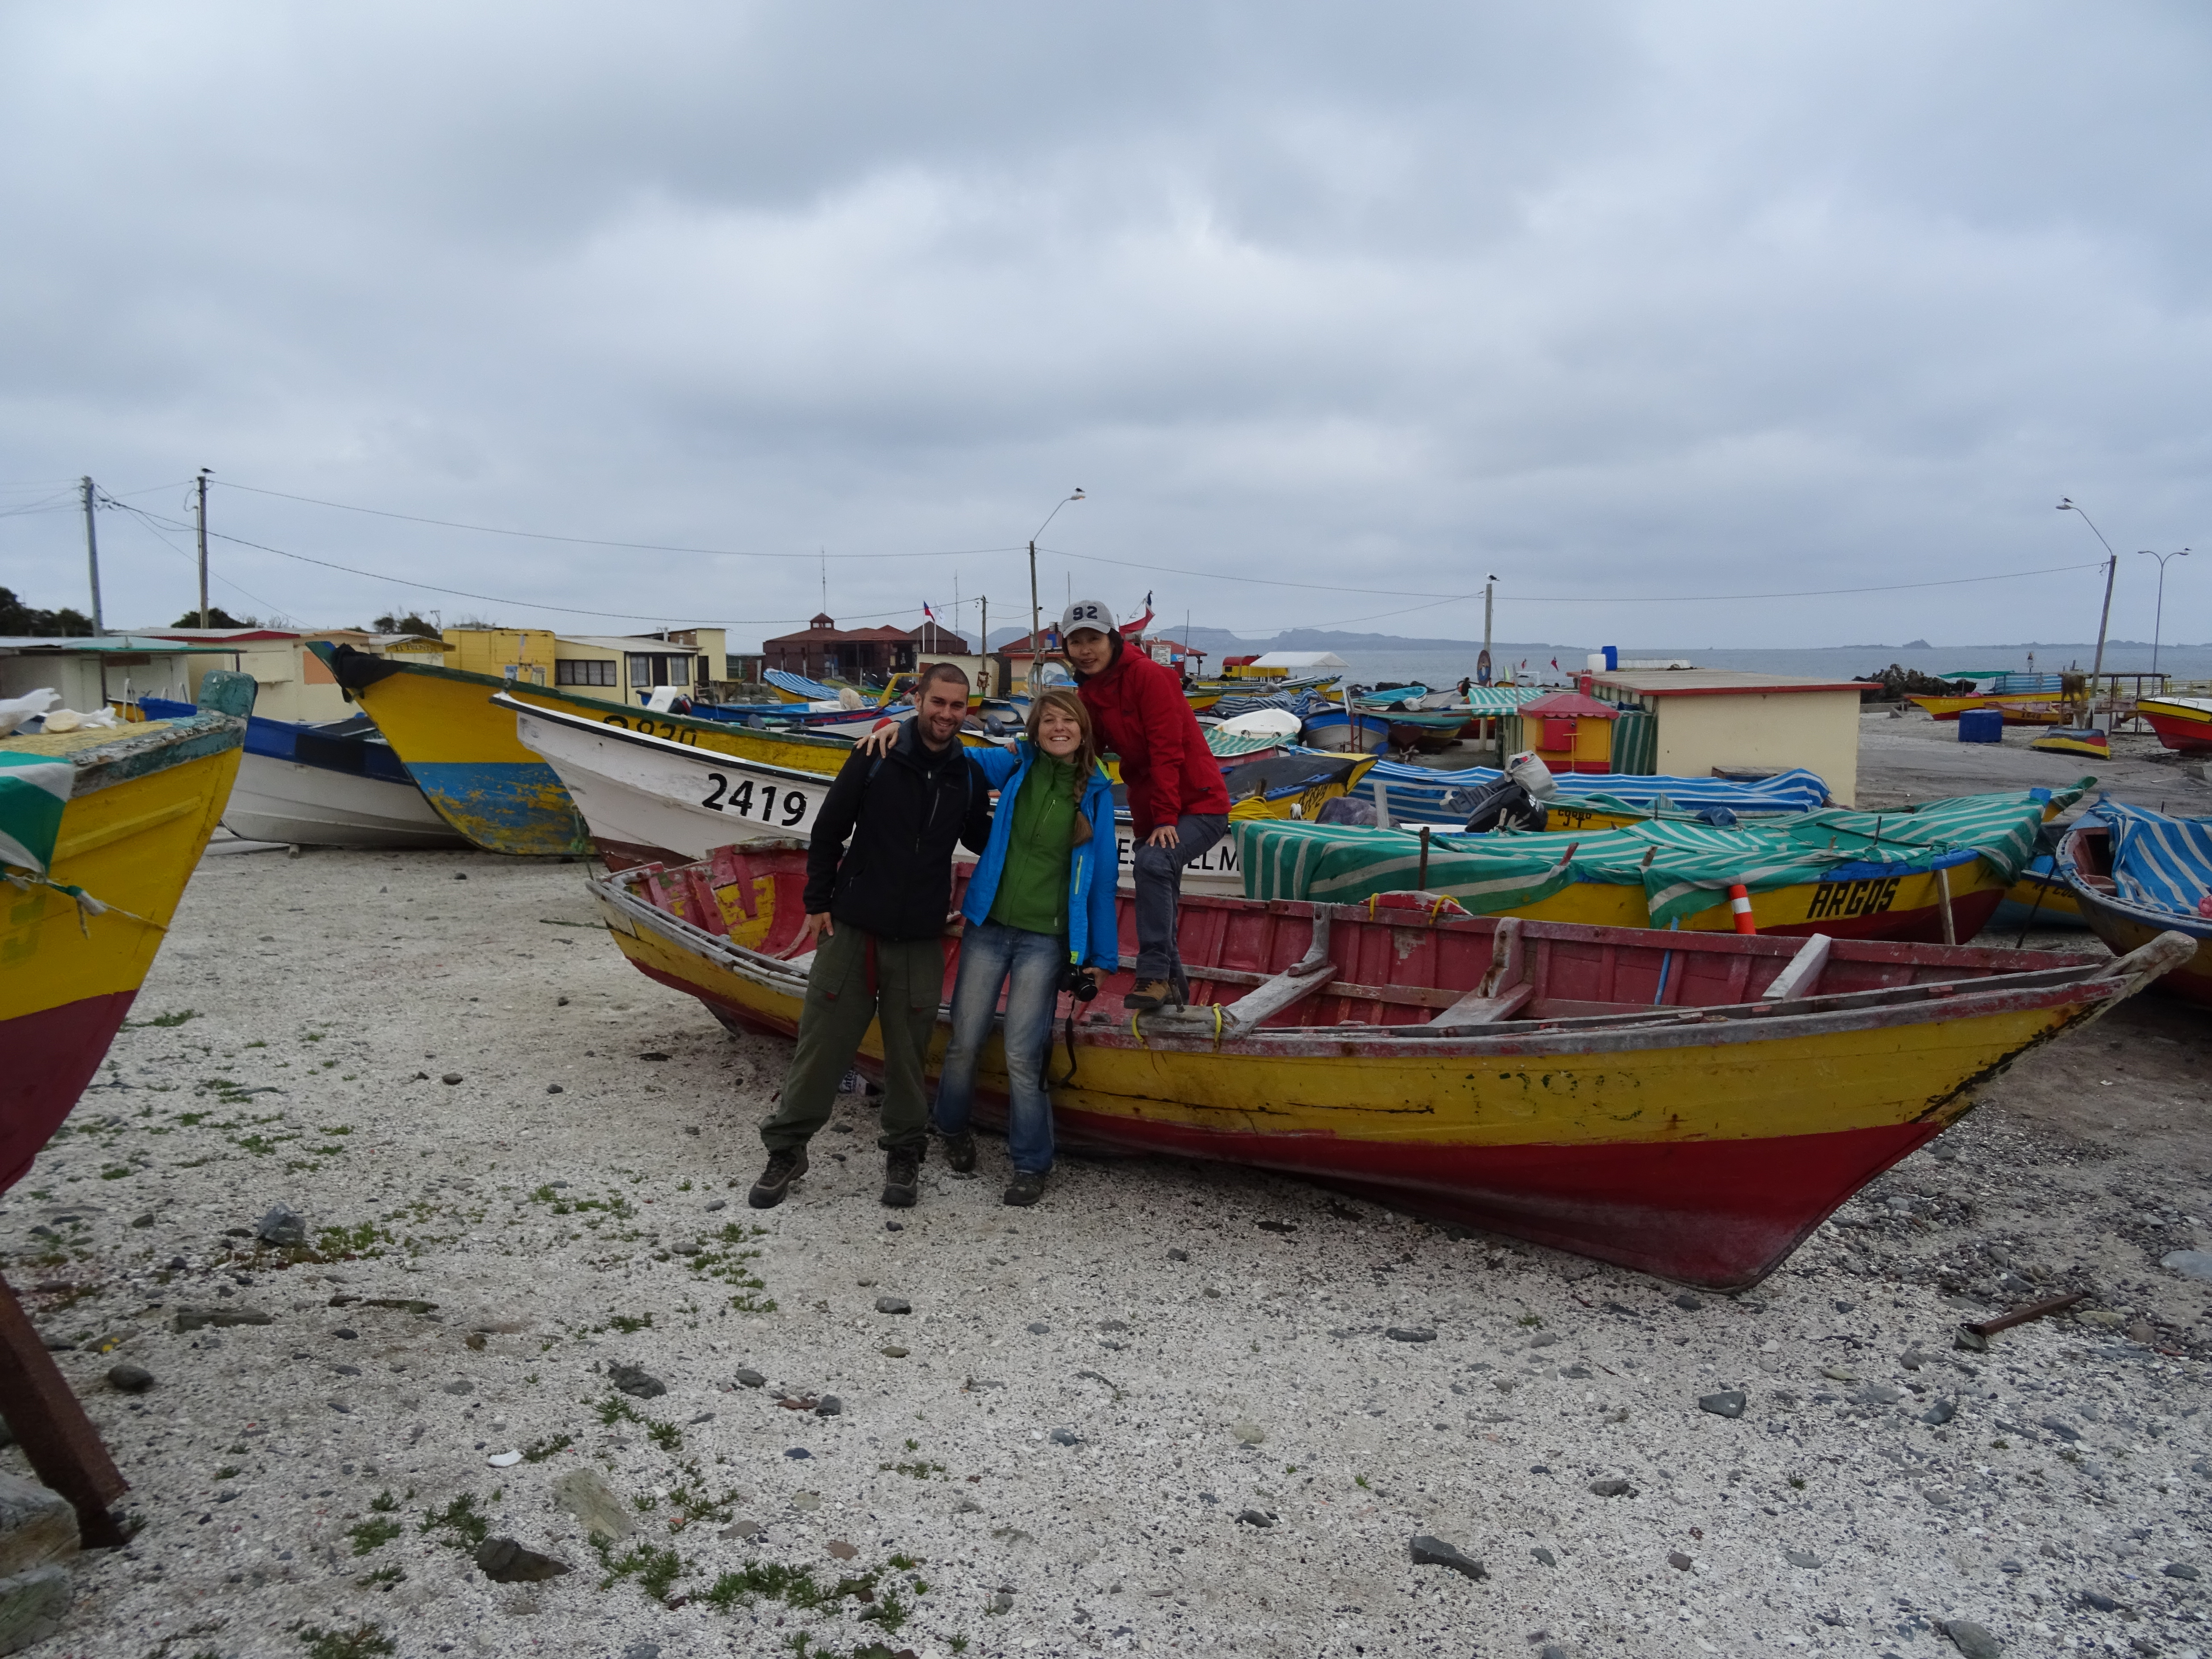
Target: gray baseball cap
1086 613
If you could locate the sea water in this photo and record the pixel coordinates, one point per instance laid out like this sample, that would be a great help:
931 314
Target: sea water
1441 668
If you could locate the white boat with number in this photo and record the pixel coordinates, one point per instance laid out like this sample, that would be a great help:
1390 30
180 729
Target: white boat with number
644 797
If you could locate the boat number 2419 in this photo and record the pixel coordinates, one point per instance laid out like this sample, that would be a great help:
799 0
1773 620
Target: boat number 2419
743 801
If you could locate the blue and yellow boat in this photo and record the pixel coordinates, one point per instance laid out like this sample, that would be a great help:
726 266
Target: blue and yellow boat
464 754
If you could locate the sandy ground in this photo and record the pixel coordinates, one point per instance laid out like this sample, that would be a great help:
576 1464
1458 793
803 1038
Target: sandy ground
1214 1344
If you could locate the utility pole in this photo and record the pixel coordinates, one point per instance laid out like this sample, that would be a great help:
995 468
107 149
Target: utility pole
2111 568
983 645
1037 620
1037 623
1489 588
92 558
202 520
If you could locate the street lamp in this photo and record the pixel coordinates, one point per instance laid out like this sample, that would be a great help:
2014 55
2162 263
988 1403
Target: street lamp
1037 622
2111 568
2158 616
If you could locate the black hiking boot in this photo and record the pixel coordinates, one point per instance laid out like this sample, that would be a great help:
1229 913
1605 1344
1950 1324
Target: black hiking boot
901 1178
783 1168
1024 1189
960 1153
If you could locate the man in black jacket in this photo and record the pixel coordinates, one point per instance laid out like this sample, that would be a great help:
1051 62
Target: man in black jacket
875 912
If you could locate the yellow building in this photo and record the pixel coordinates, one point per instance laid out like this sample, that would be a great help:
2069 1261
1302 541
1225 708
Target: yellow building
614 667
1716 719
293 684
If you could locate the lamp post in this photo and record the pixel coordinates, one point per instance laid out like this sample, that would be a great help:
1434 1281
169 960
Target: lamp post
2111 568
2158 619
1037 622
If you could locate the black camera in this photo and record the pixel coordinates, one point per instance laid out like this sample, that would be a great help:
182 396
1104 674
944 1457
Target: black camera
1077 983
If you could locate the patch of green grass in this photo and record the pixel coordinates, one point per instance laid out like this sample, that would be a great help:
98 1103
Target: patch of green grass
229 1471
460 1519
1360 1481
363 1240
373 1534
615 1409
382 1578
116 1172
166 1022
1531 1321
918 1468
726 1260
257 1044
361 1641
1797 1483
629 1326
655 1569
384 1503
667 1436
539 1450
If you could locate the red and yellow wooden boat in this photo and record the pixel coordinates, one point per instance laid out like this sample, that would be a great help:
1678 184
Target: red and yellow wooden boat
2182 723
1688 1104
88 891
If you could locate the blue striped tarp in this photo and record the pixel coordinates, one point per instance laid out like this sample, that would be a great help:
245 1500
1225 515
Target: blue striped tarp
1420 792
799 686
2158 862
1301 703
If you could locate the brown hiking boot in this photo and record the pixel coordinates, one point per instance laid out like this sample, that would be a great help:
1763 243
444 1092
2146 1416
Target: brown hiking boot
1024 1189
901 1178
1147 995
783 1168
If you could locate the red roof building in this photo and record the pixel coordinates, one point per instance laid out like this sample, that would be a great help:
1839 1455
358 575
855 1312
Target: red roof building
824 651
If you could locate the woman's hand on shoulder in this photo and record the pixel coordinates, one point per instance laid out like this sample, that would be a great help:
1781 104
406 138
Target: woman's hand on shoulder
879 742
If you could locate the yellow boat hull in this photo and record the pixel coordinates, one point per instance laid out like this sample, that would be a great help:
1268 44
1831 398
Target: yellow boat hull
1664 1144
130 838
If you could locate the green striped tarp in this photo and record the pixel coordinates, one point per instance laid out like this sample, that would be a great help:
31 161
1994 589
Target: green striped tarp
1684 867
1227 745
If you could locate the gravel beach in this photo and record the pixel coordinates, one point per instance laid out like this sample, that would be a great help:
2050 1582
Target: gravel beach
1174 1408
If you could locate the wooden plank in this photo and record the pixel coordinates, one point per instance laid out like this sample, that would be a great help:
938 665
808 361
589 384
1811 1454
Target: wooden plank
1802 974
1475 1009
1280 991
62 1446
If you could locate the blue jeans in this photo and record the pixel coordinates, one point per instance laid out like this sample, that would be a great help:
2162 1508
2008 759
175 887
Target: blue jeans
1158 872
990 954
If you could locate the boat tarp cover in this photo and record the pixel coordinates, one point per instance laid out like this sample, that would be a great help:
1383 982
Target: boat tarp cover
35 790
799 686
1227 745
1684 868
1419 791
2158 862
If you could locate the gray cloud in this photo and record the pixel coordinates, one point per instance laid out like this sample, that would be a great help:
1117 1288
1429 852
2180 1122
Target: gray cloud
1619 299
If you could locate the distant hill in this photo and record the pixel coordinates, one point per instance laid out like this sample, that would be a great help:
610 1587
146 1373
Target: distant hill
1221 641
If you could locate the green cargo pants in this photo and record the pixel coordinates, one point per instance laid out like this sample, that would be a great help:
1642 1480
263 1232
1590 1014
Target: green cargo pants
858 978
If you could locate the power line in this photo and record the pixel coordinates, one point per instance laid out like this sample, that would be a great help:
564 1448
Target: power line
595 541
493 598
1570 598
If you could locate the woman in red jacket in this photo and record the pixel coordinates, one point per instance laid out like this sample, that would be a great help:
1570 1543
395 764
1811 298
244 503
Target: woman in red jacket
1178 805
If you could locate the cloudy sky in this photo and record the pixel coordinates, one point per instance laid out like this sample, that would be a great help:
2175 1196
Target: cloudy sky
1331 311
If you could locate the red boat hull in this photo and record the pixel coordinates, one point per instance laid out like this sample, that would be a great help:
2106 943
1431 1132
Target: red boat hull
2189 736
51 1057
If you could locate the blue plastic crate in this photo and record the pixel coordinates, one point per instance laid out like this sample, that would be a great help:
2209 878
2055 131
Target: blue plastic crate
1982 725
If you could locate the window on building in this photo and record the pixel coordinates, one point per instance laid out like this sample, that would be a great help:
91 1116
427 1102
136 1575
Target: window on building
577 671
640 671
706 671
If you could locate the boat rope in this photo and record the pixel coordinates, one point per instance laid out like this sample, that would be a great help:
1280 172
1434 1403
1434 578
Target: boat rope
86 906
